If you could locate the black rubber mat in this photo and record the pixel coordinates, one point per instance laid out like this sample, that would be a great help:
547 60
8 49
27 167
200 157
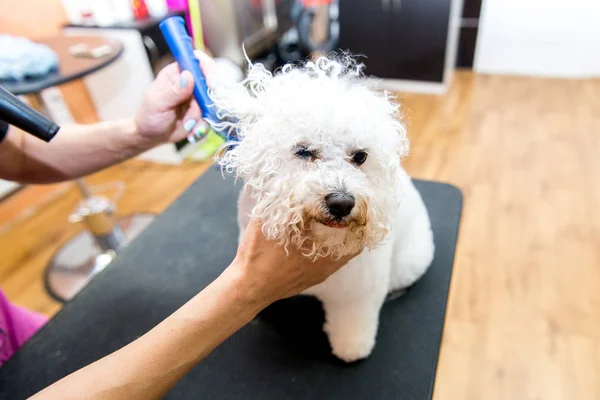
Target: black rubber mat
282 354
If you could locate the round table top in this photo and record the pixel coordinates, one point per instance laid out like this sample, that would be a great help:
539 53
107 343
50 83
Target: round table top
70 67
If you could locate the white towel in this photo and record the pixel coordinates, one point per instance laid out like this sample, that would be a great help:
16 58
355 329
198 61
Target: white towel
21 58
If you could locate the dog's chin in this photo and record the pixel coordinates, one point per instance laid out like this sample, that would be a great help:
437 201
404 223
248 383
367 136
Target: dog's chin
338 238
324 229
331 233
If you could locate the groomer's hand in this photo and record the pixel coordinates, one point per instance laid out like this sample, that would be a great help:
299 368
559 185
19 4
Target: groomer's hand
169 111
268 274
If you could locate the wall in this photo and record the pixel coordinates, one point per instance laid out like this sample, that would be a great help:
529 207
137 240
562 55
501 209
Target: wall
47 19
539 37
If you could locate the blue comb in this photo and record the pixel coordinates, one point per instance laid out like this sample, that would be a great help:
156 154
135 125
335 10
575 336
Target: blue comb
180 44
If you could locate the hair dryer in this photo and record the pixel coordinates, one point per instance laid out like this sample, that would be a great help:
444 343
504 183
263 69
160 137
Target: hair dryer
14 112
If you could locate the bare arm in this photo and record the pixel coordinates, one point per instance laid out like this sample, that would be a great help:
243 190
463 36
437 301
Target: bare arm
150 366
76 151
167 115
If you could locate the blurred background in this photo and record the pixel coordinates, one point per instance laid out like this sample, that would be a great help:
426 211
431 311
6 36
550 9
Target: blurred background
501 98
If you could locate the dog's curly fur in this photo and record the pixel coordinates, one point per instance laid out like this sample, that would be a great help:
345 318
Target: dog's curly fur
299 131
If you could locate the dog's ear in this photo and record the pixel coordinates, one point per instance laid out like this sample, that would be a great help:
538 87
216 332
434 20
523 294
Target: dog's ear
241 100
231 99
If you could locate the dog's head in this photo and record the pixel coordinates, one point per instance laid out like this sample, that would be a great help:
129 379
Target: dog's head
320 152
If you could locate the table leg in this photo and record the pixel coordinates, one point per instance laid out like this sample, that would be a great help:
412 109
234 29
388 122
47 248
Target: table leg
92 250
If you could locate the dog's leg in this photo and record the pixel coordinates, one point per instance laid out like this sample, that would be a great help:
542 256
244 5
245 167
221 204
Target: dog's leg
352 326
413 246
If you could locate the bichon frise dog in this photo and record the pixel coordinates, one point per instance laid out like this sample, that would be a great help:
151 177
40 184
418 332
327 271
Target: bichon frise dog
319 154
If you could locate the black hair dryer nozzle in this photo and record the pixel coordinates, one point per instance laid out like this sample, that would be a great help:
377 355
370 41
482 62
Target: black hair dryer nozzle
15 112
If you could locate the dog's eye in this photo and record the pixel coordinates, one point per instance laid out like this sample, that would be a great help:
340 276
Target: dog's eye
360 157
305 153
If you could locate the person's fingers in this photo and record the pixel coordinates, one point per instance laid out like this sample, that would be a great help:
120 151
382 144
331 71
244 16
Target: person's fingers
185 86
344 260
192 114
253 236
191 119
182 87
250 230
172 87
336 265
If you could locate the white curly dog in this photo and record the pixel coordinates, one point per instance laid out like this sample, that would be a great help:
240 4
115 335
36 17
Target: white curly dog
319 154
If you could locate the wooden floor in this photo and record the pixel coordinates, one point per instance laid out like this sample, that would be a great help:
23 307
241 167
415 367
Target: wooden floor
39 226
524 310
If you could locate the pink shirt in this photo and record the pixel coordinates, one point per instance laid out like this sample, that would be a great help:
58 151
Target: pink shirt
17 325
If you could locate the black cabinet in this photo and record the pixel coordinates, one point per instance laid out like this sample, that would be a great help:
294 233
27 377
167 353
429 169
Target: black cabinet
401 39
364 31
469 28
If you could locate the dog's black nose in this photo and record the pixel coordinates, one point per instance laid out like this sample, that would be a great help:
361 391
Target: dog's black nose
339 204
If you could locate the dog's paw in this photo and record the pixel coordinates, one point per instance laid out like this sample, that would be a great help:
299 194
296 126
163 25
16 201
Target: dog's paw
353 350
352 346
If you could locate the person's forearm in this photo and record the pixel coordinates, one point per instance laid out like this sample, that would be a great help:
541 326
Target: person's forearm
150 366
77 150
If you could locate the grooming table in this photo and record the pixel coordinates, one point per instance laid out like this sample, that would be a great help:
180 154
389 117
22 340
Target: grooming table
282 354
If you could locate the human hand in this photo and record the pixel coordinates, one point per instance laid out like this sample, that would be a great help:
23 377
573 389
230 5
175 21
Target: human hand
168 112
266 273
